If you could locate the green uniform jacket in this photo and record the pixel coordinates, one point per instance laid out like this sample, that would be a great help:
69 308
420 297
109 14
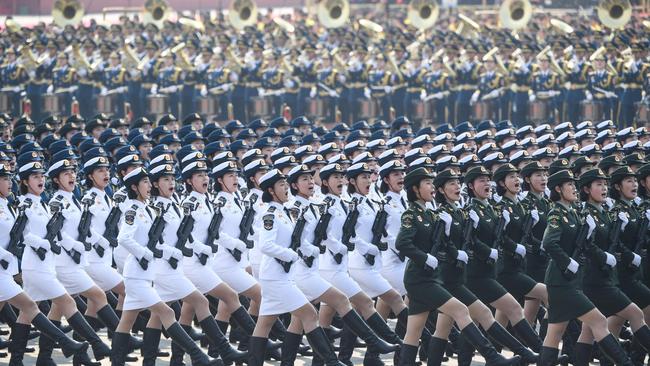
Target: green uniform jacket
628 240
453 273
597 272
480 263
559 242
513 235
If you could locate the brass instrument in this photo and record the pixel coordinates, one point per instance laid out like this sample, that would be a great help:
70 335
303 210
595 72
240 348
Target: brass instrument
369 24
422 14
393 64
467 26
515 14
333 13
67 12
156 12
561 26
80 58
12 26
192 23
599 52
614 14
130 59
286 26
29 58
242 13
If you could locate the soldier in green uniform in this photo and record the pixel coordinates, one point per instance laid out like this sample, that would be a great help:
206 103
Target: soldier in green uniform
418 237
601 281
563 276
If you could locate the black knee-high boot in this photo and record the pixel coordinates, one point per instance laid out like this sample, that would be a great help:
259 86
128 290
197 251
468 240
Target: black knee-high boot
46 347
256 351
10 318
402 319
377 323
150 342
359 328
346 345
109 318
436 351
548 356
79 324
525 332
582 354
290 348
278 330
613 350
642 336
19 335
465 351
120 348
501 335
178 335
485 348
322 346
425 338
407 354
216 337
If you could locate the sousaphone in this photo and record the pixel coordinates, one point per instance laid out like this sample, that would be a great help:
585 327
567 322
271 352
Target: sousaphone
67 12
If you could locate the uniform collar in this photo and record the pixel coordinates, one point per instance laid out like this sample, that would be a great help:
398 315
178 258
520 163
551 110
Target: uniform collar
164 200
302 200
198 195
33 197
277 205
138 203
394 195
4 201
419 205
100 193
65 194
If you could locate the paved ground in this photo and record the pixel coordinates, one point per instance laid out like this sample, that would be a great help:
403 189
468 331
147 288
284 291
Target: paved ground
30 358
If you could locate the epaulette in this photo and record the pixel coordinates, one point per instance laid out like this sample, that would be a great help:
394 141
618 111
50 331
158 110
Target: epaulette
388 199
27 202
253 198
271 209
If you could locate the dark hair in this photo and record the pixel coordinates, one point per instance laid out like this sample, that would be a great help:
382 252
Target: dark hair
525 186
22 187
188 187
217 186
131 193
88 183
266 196
249 182
410 194
55 185
615 193
642 191
155 192
555 195
351 187
440 197
383 187
584 196
324 189
470 191
501 189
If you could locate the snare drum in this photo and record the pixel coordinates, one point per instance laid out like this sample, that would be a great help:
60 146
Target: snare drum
260 106
369 108
642 112
157 104
106 103
419 109
482 110
316 108
53 103
5 102
208 106
538 110
591 110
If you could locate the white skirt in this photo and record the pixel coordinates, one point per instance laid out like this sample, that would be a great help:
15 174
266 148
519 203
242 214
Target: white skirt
237 278
395 276
8 287
172 286
75 280
342 281
203 277
119 256
105 277
279 297
311 284
42 285
140 294
371 281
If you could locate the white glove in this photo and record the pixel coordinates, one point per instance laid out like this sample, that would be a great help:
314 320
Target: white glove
624 220
366 93
134 72
494 254
204 91
332 94
16 89
462 256
240 245
591 223
102 242
573 266
103 91
154 89
147 255
532 97
202 248
260 92
78 246
521 250
474 98
290 256
474 217
535 215
637 260
388 89
170 252
309 250
172 89
312 93
611 260
50 89
647 214
423 95
610 95
373 250
588 95
506 216
432 261
446 217
122 89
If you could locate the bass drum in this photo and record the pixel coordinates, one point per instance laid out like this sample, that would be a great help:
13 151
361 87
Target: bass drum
5 102
482 110
538 110
642 113
316 108
369 108
53 103
208 106
157 104
106 104
260 107
591 110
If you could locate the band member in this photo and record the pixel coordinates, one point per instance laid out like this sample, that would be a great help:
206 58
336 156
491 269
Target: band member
307 72
168 82
218 84
64 82
521 71
413 74
251 73
114 83
467 78
83 63
356 80
634 71
379 79
13 77
545 85
329 86
437 84
273 83
490 88
148 75
601 87
577 71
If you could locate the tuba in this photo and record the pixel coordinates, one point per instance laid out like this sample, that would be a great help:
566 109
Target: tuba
333 13
614 14
423 13
515 14
156 12
242 13
67 12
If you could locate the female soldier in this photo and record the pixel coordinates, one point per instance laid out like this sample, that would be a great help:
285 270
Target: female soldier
453 271
624 190
307 277
11 293
40 278
140 271
515 241
600 281
566 299
281 295
170 282
535 177
334 264
481 272
419 235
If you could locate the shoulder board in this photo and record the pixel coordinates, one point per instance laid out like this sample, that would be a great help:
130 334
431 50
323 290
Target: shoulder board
388 199
27 202
253 198
193 199
271 209
58 197
134 207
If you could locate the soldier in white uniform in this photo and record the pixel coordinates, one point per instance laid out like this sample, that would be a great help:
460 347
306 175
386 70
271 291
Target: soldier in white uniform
279 291
139 273
307 276
253 171
11 293
38 265
170 281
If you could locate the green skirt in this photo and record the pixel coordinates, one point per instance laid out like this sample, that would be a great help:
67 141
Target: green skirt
608 299
425 296
518 284
487 290
567 303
